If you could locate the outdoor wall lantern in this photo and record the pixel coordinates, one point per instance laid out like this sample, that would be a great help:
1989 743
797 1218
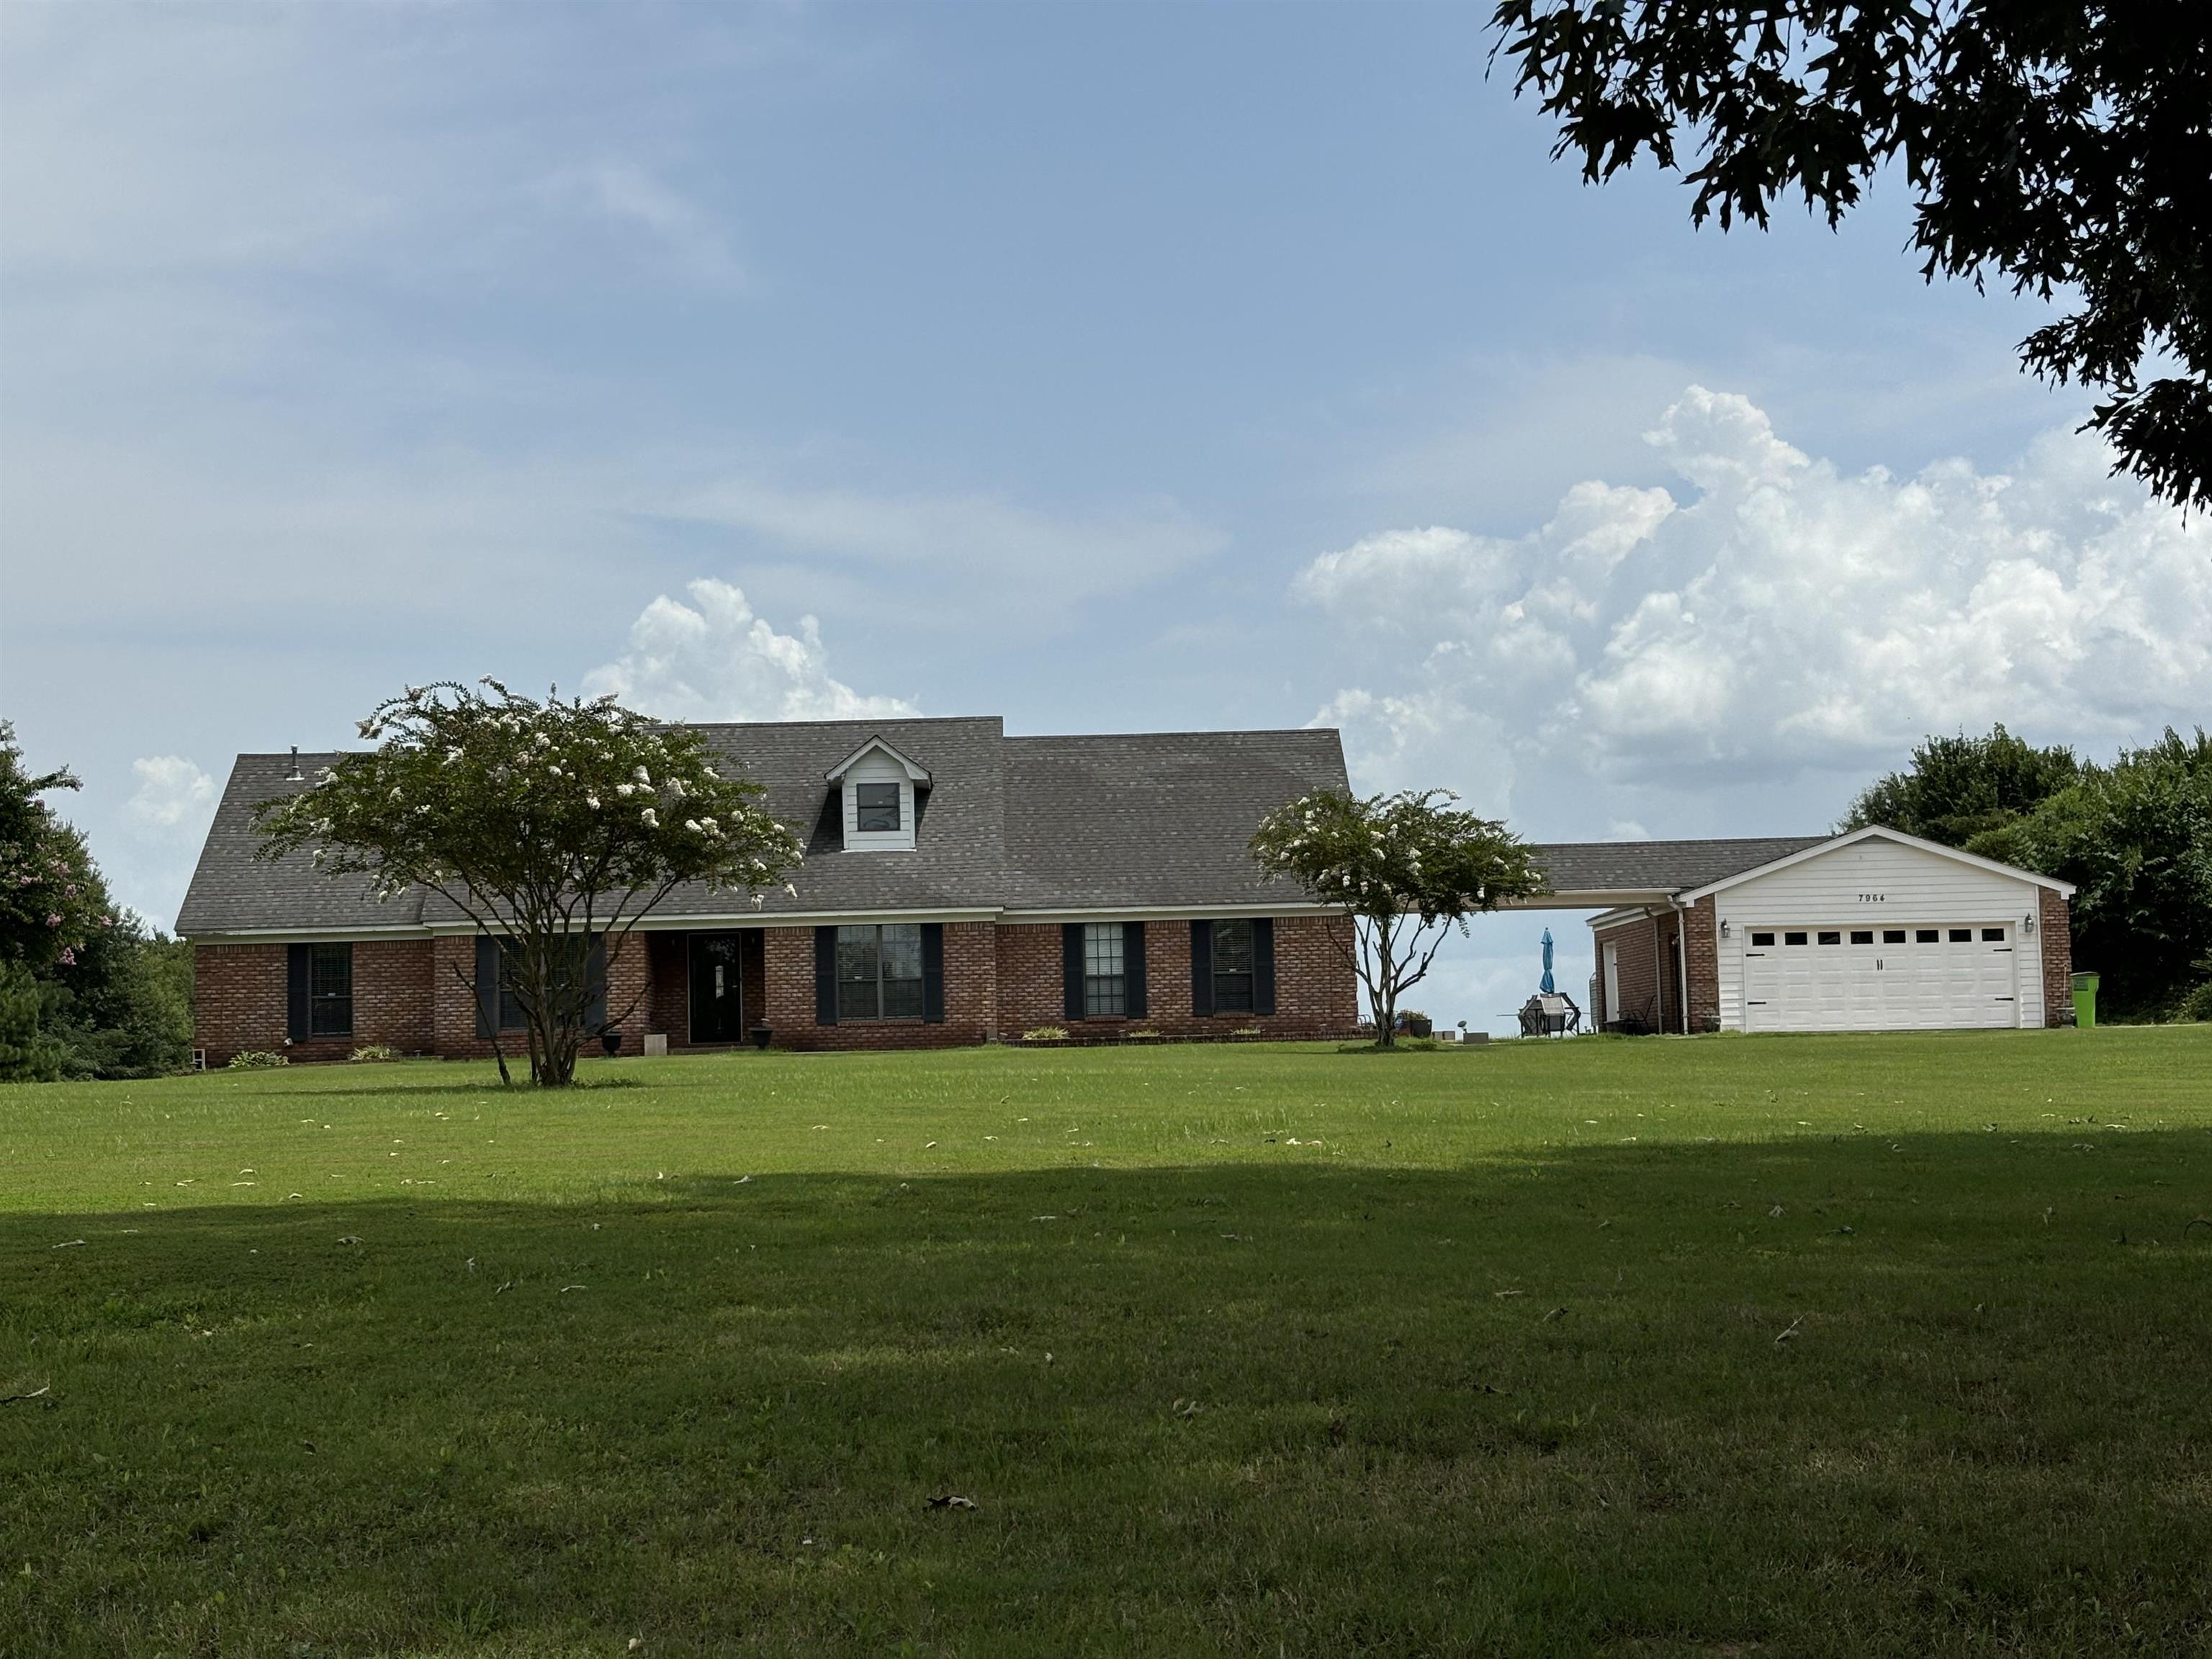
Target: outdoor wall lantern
1724 928
2027 922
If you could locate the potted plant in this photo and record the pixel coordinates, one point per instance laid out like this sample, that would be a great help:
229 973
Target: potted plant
761 1034
611 1040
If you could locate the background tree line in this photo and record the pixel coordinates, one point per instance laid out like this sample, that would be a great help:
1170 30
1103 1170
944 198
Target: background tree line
2135 837
86 990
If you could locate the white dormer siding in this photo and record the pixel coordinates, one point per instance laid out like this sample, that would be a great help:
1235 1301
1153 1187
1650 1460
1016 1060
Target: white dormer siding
871 772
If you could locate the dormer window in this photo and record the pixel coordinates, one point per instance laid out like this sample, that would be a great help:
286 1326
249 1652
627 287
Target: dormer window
877 787
876 808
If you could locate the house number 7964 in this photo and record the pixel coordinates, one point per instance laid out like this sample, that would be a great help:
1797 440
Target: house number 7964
1873 898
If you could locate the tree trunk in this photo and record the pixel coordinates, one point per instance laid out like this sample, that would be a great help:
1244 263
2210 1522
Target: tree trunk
1384 988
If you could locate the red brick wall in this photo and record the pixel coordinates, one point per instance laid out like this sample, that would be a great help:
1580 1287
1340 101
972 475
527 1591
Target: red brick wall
971 995
1639 977
240 1002
2054 926
1316 994
1030 971
668 1007
1703 943
413 995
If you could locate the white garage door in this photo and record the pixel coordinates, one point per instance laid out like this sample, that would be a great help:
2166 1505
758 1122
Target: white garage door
1879 979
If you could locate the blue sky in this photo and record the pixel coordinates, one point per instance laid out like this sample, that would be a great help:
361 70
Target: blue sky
1105 367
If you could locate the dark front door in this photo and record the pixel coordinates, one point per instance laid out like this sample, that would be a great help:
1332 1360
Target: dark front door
716 1014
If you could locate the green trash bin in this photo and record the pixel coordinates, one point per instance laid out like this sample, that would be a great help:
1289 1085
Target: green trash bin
2085 1000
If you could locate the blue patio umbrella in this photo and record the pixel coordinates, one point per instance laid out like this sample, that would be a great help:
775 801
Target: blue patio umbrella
1544 984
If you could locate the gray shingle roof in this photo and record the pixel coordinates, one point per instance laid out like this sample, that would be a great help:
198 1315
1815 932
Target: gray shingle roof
232 894
1140 820
1156 819
1153 818
1659 867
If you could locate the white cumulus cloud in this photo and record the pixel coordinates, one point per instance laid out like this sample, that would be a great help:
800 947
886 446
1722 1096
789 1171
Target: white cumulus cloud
1779 616
173 795
715 660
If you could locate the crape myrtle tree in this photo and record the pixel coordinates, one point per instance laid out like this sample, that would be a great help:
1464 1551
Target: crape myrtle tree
53 902
1410 868
557 826
2060 146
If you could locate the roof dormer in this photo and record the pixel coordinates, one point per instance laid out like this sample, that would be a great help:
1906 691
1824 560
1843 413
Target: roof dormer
878 786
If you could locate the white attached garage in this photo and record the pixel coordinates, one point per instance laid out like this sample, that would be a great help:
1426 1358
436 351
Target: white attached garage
1880 932
1871 931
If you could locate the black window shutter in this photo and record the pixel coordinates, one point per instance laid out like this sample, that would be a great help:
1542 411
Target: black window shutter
1263 965
487 985
296 992
1133 966
933 973
825 976
1071 969
595 984
1201 969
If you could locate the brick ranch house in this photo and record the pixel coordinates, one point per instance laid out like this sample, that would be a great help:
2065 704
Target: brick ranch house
958 886
962 886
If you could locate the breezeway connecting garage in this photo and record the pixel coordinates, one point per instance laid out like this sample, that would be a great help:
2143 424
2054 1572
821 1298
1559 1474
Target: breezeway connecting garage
1870 931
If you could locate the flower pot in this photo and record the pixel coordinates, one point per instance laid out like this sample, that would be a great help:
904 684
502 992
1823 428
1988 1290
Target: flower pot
611 1041
761 1034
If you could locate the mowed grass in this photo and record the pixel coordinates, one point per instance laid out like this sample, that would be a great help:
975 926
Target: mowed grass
1794 1346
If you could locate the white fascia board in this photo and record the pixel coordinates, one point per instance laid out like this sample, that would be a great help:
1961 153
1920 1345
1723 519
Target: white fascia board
305 935
1881 832
1619 918
914 773
1173 912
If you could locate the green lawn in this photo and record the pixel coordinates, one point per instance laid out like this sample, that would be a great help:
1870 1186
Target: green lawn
1786 1345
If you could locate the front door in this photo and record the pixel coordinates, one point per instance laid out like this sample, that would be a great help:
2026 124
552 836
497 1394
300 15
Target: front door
716 1016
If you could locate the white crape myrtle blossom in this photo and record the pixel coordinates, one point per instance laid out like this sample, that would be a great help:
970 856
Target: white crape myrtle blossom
512 833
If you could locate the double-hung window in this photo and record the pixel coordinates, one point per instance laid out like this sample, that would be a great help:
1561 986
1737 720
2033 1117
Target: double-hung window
879 969
1105 970
330 990
1233 969
876 807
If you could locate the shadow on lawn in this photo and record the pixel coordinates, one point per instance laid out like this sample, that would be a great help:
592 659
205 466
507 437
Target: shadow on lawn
1849 1396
